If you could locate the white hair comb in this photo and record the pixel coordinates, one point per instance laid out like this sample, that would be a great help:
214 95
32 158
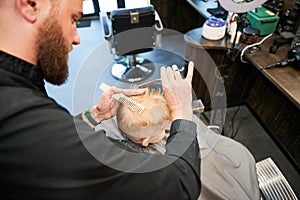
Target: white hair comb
125 100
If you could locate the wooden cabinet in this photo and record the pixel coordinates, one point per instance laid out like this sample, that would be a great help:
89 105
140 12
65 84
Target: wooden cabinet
277 113
214 67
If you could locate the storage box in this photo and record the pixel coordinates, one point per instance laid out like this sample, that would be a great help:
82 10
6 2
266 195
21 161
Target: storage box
263 19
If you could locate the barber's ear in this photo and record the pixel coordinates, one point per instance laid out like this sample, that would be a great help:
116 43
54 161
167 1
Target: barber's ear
28 9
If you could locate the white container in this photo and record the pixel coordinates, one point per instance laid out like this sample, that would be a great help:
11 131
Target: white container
214 28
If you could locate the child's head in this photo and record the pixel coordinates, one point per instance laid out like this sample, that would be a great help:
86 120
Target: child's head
149 126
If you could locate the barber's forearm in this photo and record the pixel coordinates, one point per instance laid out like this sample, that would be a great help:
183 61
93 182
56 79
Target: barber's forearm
92 117
182 145
182 134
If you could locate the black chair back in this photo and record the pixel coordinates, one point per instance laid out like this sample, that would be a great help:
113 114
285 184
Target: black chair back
133 30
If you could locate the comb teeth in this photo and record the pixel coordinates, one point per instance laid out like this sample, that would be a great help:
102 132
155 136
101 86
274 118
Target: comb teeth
133 105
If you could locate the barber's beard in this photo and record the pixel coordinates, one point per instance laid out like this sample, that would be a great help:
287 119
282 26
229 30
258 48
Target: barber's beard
53 52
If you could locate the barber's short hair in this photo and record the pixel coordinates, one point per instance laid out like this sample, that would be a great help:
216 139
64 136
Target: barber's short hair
154 116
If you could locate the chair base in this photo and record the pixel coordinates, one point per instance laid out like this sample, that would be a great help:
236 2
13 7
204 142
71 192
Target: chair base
132 69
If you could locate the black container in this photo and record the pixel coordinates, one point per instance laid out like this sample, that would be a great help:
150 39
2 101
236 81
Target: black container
250 35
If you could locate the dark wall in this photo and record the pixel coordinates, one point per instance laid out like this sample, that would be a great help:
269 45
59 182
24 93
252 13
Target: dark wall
178 15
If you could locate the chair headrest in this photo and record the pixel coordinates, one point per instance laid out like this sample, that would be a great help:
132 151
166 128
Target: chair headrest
125 11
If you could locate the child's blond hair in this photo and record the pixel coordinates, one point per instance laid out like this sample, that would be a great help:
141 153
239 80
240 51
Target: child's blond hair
154 116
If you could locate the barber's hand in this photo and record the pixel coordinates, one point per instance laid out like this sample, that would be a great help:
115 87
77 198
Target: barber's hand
107 105
178 92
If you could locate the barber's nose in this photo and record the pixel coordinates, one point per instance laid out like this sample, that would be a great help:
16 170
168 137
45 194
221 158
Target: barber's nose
76 38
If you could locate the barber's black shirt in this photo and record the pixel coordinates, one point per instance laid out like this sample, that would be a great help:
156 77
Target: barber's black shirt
45 153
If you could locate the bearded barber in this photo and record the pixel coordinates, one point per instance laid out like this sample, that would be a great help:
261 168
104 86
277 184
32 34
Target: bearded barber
42 155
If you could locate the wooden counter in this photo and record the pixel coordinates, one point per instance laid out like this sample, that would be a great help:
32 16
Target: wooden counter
194 38
286 79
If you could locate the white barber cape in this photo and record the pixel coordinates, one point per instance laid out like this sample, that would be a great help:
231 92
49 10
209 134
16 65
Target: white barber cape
228 169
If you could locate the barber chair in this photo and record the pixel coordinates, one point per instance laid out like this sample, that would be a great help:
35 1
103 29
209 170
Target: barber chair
131 32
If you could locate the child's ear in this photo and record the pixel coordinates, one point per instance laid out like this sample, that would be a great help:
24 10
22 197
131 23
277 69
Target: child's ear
145 141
